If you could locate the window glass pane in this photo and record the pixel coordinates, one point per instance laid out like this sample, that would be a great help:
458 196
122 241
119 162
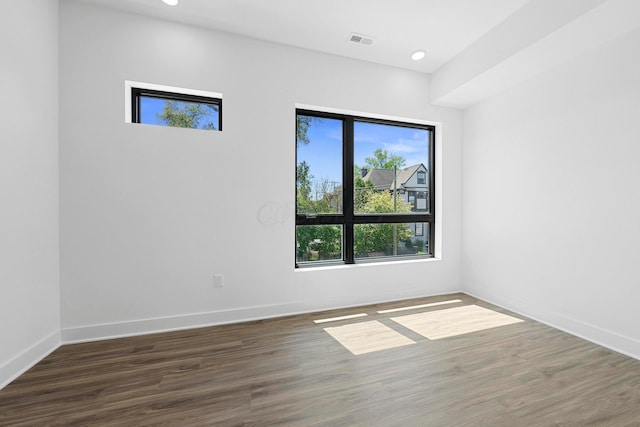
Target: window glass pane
390 168
389 240
318 243
319 165
185 114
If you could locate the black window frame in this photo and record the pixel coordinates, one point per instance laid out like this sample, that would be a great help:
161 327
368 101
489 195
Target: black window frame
348 218
420 176
138 92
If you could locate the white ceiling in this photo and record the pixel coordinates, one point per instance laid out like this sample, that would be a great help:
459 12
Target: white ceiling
443 28
475 48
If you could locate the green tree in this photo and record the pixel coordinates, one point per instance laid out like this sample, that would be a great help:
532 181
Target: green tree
189 115
303 188
328 242
372 239
362 192
305 234
382 159
318 242
302 129
328 196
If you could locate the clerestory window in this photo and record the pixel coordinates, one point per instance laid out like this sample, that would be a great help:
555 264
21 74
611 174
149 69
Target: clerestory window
175 107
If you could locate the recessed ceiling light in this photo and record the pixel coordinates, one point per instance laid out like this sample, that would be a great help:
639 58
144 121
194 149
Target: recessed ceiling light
171 2
418 55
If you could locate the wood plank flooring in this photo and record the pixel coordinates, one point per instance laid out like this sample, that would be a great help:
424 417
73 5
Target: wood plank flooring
292 372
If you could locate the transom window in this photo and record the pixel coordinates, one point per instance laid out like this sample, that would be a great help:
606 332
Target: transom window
364 189
175 109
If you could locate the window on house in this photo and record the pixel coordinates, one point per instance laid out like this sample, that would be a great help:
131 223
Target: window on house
359 191
418 200
164 108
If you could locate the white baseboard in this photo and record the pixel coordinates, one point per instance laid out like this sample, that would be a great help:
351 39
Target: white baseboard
15 367
197 320
171 323
611 340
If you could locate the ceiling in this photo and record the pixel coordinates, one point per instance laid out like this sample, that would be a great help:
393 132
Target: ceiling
474 48
443 28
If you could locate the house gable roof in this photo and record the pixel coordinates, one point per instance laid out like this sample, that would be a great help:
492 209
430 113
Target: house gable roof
382 179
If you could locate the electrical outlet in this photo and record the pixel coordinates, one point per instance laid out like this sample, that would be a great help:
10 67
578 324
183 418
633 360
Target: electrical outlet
218 280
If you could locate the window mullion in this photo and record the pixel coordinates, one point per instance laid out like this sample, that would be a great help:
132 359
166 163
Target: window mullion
391 219
347 185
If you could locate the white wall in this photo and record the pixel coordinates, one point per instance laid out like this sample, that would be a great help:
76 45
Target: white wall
550 194
29 275
150 214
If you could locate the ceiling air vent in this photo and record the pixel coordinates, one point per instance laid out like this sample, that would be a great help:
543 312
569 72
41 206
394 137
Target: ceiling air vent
361 39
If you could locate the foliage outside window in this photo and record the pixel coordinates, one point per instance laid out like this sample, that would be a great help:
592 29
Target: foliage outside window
364 189
175 109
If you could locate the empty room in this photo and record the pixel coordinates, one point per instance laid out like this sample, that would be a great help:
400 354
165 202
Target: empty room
327 213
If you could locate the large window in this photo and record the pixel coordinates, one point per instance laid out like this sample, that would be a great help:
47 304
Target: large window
364 189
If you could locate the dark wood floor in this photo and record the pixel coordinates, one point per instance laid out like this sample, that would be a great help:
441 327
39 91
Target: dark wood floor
291 372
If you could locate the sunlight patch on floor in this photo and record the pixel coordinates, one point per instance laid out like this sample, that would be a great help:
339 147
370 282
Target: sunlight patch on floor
414 307
454 321
335 319
366 337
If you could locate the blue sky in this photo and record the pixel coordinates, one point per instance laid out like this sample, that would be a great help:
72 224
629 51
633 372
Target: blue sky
324 151
149 108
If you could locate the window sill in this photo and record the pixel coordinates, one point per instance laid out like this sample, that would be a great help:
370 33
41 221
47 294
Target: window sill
365 264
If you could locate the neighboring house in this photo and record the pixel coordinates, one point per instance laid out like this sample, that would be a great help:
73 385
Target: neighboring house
411 184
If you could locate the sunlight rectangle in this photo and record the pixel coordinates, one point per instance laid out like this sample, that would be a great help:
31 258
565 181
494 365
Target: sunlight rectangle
413 307
454 321
367 337
335 319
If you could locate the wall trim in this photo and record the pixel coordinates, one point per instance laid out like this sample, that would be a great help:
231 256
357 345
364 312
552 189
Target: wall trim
602 337
24 361
215 318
